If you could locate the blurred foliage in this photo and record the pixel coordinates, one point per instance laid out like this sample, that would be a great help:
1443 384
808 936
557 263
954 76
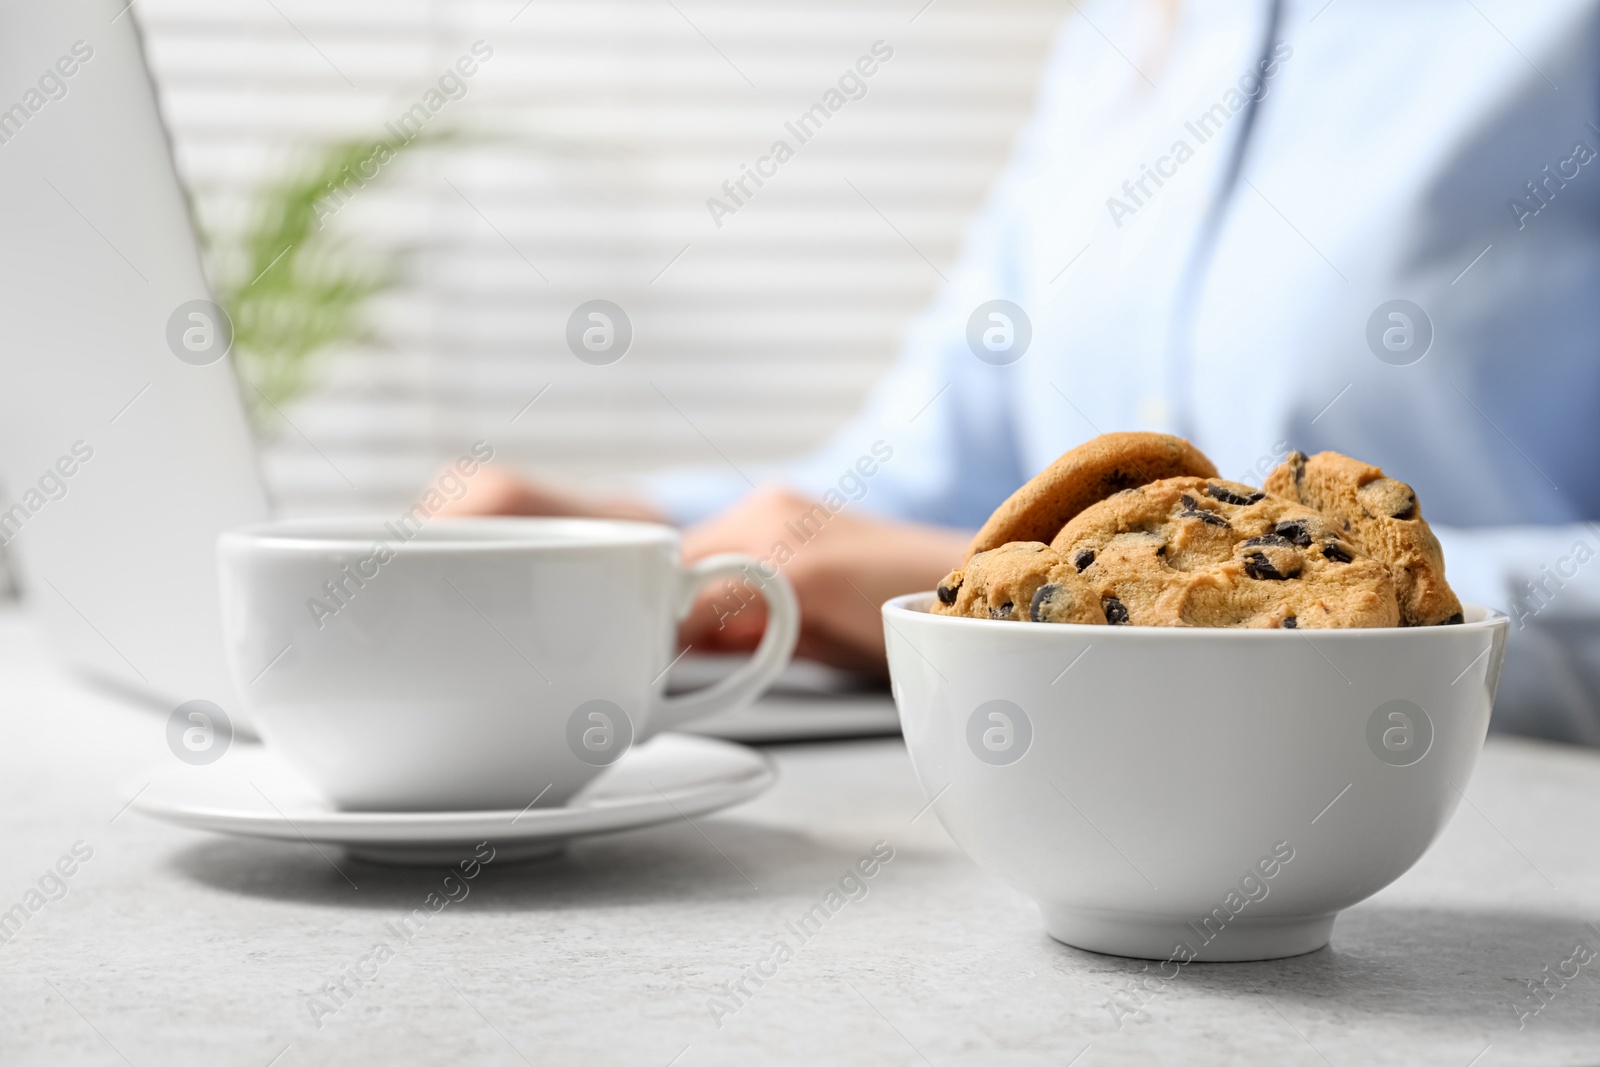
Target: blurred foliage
298 288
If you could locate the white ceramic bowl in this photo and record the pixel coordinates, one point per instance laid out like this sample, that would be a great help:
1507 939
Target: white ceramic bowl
1192 793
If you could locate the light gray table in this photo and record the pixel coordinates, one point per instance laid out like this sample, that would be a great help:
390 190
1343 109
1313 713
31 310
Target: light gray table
175 947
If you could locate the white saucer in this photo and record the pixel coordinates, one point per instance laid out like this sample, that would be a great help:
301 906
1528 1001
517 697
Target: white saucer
252 792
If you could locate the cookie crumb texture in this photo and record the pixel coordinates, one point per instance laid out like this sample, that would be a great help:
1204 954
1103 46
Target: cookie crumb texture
1206 552
1023 581
1382 518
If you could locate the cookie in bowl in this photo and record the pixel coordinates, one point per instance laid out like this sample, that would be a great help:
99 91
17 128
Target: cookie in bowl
1024 581
1137 529
1207 552
1382 517
1082 476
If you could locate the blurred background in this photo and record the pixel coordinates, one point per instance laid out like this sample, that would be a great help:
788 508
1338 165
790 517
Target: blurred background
576 165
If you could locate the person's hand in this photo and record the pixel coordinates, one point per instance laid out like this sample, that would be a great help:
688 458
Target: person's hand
842 565
495 490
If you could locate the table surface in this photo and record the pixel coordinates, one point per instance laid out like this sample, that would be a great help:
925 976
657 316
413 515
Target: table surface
175 947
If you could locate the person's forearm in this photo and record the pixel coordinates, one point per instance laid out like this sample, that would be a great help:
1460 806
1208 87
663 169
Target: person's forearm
1526 571
498 491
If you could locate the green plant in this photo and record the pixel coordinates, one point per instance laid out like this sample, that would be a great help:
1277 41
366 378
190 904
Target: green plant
297 288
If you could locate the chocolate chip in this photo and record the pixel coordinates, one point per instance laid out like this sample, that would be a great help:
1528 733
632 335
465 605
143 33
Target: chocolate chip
1334 551
1455 620
1116 614
1001 612
1297 463
1290 622
1041 600
1082 558
1192 510
1122 481
1277 540
947 593
1296 531
1228 496
1257 565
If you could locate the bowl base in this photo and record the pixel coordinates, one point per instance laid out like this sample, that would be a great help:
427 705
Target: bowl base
1153 937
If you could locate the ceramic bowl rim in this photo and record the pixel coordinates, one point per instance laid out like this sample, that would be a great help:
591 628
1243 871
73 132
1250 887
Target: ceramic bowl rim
914 606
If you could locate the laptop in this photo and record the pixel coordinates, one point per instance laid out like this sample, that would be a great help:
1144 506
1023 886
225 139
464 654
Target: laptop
124 446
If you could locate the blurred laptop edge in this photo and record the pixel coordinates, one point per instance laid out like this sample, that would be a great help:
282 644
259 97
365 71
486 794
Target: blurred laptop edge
120 462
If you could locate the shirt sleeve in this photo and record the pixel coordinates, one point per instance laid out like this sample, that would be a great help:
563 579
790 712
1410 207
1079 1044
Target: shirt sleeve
1547 579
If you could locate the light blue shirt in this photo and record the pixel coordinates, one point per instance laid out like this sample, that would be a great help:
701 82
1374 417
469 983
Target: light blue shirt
1204 227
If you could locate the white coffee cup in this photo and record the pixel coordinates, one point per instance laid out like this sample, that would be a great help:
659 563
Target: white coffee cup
471 664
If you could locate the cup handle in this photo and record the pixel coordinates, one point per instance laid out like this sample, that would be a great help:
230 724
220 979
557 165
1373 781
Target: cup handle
771 656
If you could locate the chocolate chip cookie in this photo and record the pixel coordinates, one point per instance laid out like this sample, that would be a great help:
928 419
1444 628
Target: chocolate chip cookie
1381 517
1023 581
1194 551
1082 476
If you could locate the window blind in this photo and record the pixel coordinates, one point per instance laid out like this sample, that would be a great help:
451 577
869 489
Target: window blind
596 153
